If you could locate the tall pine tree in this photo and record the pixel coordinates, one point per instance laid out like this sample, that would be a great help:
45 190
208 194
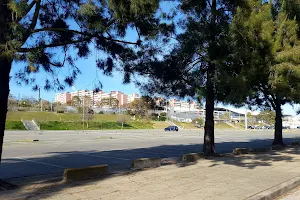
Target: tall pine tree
193 66
37 32
266 53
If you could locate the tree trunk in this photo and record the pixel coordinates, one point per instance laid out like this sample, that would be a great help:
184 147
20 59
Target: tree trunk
278 124
5 65
209 128
209 136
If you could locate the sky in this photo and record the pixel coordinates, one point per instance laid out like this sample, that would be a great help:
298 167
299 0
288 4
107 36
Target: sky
90 76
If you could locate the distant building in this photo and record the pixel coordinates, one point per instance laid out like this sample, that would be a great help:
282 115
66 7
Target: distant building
179 106
122 98
94 97
63 98
291 121
133 97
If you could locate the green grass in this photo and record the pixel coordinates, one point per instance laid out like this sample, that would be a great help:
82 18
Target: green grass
221 125
56 125
14 125
52 116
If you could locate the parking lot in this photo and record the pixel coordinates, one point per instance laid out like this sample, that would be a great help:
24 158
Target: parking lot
53 151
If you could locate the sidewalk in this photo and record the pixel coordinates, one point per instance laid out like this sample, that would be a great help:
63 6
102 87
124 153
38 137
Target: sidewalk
228 177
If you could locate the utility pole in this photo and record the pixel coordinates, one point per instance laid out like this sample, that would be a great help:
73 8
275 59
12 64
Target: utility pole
52 105
41 101
83 115
246 120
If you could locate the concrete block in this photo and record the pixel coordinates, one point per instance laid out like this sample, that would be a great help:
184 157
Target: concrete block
295 143
142 163
192 157
260 150
278 147
77 174
239 151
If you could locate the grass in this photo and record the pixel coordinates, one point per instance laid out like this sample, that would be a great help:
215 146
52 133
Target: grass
221 125
56 125
160 125
186 125
14 125
52 116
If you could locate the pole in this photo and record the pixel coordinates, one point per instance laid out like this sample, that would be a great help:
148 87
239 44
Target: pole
52 106
246 121
83 116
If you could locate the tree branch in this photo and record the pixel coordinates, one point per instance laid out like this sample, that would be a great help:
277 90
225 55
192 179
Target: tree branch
30 6
36 15
24 50
83 33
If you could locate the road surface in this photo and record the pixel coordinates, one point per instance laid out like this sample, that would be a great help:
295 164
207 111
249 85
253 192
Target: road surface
56 150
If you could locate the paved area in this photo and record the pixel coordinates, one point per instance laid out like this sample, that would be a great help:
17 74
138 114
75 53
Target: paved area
56 150
223 178
292 195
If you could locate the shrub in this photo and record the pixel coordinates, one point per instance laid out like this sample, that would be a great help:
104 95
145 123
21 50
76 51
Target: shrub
163 114
60 111
162 118
101 112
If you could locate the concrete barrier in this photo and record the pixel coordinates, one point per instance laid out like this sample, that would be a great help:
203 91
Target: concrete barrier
260 150
142 163
239 151
295 143
192 157
77 174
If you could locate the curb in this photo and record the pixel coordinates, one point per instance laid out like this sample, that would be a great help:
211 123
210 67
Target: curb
143 163
79 174
277 190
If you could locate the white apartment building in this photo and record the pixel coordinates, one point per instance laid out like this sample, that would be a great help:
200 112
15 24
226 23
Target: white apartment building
132 97
62 98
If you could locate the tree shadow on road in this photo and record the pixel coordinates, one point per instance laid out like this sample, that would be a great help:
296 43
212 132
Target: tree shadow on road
120 161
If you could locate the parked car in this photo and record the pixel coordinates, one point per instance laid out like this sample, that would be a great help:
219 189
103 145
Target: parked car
298 127
171 128
286 127
198 126
271 127
251 127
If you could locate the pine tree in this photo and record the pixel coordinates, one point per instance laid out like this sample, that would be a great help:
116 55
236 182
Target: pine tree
36 32
192 67
266 51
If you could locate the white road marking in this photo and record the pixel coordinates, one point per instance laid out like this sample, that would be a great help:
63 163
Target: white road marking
40 162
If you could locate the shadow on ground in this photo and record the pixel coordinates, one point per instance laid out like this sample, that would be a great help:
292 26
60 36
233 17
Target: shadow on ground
120 160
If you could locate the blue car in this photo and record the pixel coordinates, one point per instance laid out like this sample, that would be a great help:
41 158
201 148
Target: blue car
171 128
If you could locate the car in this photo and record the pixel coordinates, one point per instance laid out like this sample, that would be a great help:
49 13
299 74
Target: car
251 127
286 127
298 127
171 128
198 126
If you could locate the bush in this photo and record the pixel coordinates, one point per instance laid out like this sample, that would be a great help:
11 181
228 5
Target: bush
101 112
162 118
60 111
14 125
163 114
21 109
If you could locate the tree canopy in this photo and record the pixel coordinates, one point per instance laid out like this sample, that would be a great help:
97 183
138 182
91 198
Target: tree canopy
266 56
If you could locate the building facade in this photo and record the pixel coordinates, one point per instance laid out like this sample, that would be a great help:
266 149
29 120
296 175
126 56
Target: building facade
93 97
133 97
63 98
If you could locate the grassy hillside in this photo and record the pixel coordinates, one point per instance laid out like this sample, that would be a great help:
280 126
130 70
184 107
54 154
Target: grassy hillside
52 116
55 125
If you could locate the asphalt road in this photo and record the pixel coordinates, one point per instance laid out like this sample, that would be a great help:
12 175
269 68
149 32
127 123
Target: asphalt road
56 150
